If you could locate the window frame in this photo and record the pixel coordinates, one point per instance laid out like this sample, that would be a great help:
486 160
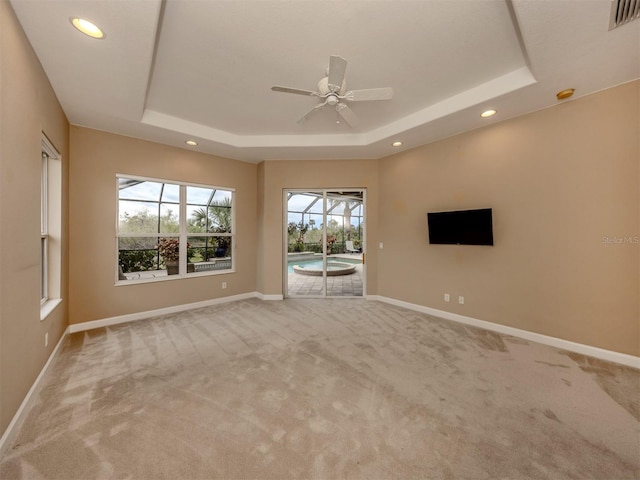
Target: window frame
183 235
44 228
50 227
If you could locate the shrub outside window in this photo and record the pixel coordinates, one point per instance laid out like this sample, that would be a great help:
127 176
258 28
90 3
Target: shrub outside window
172 230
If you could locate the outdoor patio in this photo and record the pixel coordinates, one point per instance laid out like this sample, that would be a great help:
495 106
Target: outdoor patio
338 286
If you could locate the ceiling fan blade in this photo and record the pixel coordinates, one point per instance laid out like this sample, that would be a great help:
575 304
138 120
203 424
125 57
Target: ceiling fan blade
385 93
312 111
347 114
337 69
297 91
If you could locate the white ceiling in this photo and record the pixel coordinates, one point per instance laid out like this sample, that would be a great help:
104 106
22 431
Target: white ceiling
172 70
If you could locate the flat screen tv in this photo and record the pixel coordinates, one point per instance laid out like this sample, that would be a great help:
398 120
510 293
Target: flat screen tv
461 227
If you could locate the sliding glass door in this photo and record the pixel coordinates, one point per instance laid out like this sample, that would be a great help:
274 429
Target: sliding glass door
324 243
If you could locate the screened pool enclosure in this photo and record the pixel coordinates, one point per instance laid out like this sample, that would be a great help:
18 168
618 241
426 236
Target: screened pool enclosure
305 221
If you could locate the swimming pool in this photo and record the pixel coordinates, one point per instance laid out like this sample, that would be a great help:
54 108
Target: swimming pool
316 264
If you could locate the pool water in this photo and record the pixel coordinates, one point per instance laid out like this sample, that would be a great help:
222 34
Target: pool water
318 263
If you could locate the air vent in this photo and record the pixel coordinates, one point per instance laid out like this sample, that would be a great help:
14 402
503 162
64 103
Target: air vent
623 11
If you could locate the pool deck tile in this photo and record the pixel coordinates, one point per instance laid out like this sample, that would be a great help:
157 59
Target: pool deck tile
342 285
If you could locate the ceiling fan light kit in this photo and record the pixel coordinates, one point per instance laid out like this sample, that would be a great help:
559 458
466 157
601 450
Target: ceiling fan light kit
332 89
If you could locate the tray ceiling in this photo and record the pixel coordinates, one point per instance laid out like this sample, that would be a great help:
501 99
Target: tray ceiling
173 70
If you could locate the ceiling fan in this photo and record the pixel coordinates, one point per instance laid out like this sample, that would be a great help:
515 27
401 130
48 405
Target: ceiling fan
332 91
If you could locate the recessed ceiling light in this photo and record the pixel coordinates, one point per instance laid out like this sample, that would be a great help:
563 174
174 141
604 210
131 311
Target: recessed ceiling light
86 27
193 143
396 144
488 113
561 95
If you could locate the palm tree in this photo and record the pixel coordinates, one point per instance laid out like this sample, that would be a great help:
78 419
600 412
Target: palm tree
216 218
200 219
220 211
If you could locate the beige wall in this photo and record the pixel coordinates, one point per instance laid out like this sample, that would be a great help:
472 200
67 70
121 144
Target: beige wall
275 176
96 157
28 107
559 181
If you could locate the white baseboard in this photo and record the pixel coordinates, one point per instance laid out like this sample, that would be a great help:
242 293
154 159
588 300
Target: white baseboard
609 355
131 317
269 297
18 418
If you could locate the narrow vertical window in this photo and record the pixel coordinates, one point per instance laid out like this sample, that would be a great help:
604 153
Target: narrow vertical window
44 229
50 228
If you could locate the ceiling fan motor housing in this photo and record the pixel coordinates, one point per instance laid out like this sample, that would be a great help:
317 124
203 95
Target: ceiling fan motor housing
323 87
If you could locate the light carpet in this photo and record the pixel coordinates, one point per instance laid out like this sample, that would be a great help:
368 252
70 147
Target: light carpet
324 389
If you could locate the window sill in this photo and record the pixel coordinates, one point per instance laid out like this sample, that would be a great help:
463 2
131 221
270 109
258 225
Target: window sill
170 278
48 307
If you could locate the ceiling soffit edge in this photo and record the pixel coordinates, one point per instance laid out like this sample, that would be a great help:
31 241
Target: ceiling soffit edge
492 89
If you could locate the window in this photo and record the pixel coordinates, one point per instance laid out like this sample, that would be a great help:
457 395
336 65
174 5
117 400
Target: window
172 229
50 227
44 229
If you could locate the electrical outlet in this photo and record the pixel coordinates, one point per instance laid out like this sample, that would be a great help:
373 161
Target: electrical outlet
224 284
461 300
446 297
46 339
381 245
